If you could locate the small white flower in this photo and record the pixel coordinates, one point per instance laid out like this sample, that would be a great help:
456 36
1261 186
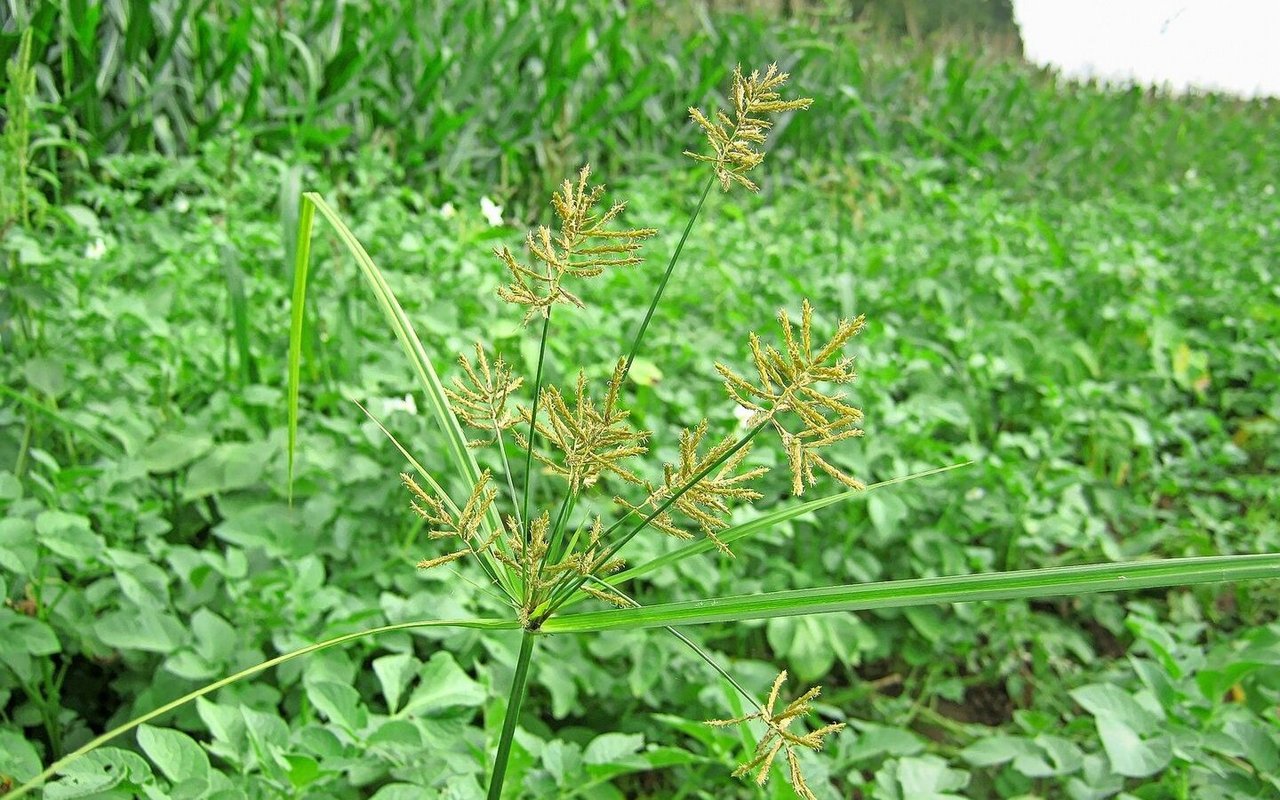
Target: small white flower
95 250
1191 175
448 211
391 404
1268 190
743 416
491 212
182 205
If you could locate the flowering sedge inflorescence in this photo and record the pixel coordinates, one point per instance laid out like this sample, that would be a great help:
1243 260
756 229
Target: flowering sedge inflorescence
778 736
585 437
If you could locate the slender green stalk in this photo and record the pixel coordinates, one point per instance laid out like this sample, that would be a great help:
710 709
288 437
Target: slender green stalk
516 699
533 417
666 276
555 549
488 568
687 642
506 472
93 744
1023 584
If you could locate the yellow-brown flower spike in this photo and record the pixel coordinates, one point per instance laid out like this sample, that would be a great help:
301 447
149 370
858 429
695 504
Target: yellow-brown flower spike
448 522
582 248
738 143
707 501
481 399
790 383
779 738
592 440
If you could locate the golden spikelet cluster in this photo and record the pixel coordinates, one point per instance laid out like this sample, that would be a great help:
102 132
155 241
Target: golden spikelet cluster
480 397
448 521
778 736
706 501
737 142
790 382
582 248
592 440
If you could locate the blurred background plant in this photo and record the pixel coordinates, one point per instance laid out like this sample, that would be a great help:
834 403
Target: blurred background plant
1071 285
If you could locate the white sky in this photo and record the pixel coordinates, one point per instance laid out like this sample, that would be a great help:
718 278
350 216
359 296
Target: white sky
1231 45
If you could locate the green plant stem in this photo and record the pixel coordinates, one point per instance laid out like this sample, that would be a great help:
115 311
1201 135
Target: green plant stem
515 700
506 471
692 645
565 593
533 417
666 276
93 744
554 549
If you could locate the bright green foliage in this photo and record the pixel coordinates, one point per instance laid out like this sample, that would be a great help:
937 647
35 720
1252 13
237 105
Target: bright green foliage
1092 326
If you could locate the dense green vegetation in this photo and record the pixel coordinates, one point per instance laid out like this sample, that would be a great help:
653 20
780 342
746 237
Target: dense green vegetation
1073 288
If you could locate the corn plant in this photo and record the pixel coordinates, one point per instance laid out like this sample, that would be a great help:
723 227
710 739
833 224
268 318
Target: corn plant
544 561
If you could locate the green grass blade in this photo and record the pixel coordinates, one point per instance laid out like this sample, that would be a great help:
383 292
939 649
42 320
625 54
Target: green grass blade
301 263
1023 584
733 534
55 767
460 457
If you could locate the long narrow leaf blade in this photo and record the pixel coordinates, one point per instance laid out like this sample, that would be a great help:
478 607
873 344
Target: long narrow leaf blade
456 440
1023 584
301 263
461 460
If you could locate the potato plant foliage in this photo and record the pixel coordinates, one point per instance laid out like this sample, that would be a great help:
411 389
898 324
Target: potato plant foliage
650 463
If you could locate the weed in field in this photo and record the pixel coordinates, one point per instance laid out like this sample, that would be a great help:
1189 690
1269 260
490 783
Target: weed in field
988 347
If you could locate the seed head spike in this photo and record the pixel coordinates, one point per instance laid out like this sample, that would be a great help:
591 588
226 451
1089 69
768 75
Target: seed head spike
737 143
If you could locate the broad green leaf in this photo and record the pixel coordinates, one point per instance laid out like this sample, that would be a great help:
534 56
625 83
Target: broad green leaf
151 631
562 759
177 755
875 741
1050 582
340 703
610 747
228 467
442 684
171 451
98 772
1131 755
68 535
215 637
27 634
920 778
303 770
993 750
394 673
1065 755
1108 700
398 791
398 734
1258 741
18 552
18 758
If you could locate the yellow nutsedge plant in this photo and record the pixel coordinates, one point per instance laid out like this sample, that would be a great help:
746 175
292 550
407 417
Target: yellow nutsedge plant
541 564
585 439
